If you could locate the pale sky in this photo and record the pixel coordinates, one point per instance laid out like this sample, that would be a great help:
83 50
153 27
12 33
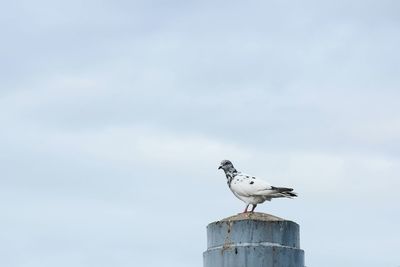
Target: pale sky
116 114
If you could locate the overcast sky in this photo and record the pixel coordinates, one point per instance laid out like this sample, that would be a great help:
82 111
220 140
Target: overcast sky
116 114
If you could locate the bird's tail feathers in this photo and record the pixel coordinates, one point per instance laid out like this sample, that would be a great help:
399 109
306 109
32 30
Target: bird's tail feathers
285 192
289 194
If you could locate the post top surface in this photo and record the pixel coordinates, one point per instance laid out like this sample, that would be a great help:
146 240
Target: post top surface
257 216
253 228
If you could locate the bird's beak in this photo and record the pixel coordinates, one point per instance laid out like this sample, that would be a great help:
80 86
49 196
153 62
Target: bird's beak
220 167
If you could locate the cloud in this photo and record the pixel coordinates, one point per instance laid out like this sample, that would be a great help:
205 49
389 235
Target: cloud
115 116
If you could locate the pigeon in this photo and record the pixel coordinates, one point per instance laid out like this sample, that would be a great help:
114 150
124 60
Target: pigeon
251 189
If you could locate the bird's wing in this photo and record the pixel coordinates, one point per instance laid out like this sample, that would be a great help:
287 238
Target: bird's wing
247 185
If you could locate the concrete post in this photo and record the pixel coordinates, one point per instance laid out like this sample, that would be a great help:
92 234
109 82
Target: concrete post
253 240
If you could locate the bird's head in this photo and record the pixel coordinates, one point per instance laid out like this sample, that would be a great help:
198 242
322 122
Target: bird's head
226 165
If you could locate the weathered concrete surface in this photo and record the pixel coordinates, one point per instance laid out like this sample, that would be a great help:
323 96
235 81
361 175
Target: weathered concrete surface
253 240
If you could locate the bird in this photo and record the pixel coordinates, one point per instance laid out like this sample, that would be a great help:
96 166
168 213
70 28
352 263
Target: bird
250 189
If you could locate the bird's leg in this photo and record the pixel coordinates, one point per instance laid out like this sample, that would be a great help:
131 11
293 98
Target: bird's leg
254 206
245 210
